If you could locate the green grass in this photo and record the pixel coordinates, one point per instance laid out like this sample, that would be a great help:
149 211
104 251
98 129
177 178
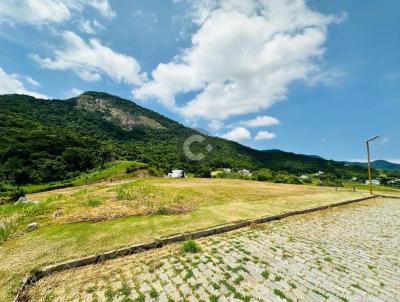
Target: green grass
190 246
112 170
218 202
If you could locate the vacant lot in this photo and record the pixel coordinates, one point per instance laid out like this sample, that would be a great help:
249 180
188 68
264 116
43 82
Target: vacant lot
343 254
137 211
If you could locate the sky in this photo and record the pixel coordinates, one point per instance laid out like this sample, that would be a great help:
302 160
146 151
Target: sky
314 77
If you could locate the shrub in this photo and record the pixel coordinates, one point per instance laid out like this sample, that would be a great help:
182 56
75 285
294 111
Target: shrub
16 194
6 229
190 246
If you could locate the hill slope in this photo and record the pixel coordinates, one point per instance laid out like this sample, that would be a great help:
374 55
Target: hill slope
379 164
47 140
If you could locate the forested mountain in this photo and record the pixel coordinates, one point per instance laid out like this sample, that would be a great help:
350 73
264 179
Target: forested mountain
48 140
379 164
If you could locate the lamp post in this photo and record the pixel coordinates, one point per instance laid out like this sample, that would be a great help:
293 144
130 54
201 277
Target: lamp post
369 162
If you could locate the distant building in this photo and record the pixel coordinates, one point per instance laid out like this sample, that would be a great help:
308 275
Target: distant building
319 173
227 170
245 172
304 177
353 179
375 182
176 174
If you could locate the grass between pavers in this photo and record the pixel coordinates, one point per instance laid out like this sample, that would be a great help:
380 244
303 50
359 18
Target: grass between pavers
226 201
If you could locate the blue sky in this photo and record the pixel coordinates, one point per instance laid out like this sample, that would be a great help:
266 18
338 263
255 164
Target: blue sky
313 77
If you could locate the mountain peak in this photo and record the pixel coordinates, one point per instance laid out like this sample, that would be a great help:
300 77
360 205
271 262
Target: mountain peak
120 112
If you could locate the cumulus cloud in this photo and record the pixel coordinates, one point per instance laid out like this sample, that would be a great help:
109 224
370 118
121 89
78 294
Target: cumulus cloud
10 84
265 135
243 57
261 121
237 134
90 27
90 61
35 12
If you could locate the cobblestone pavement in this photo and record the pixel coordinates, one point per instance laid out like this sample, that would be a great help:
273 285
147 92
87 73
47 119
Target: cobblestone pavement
349 253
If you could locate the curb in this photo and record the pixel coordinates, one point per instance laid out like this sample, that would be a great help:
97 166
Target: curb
35 276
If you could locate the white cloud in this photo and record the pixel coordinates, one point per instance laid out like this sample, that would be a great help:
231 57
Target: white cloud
90 27
40 12
215 125
261 121
265 135
243 57
237 134
395 161
384 140
9 84
323 140
32 81
73 93
90 61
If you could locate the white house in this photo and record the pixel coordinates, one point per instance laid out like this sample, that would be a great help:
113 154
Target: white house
245 172
227 170
304 177
375 182
176 174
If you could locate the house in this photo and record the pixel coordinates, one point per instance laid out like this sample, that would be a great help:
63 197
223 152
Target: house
375 182
304 177
176 174
227 170
319 173
245 172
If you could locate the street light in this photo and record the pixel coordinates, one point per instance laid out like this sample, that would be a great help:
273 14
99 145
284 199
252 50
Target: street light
369 162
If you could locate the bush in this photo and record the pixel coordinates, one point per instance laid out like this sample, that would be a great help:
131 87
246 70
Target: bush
16 194
190 246
6 229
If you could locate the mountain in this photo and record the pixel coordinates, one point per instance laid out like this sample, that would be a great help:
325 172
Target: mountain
379 165
48 140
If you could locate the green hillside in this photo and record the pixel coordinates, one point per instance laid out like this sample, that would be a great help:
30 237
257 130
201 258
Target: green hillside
49 140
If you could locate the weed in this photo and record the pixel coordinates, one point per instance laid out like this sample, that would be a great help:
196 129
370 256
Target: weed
189 274
321 294
7 228
292 285
190 246
109 295
92 202
141 298
49 297
153 293
357 286
125 290
281 295
238 280
214 298
91 289
278 278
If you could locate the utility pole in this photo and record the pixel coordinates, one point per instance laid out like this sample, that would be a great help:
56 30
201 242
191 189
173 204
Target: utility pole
369 162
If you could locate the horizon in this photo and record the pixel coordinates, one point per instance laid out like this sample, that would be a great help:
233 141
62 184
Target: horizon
335 86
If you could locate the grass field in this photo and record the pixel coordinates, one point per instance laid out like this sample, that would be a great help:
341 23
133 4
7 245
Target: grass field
123 212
